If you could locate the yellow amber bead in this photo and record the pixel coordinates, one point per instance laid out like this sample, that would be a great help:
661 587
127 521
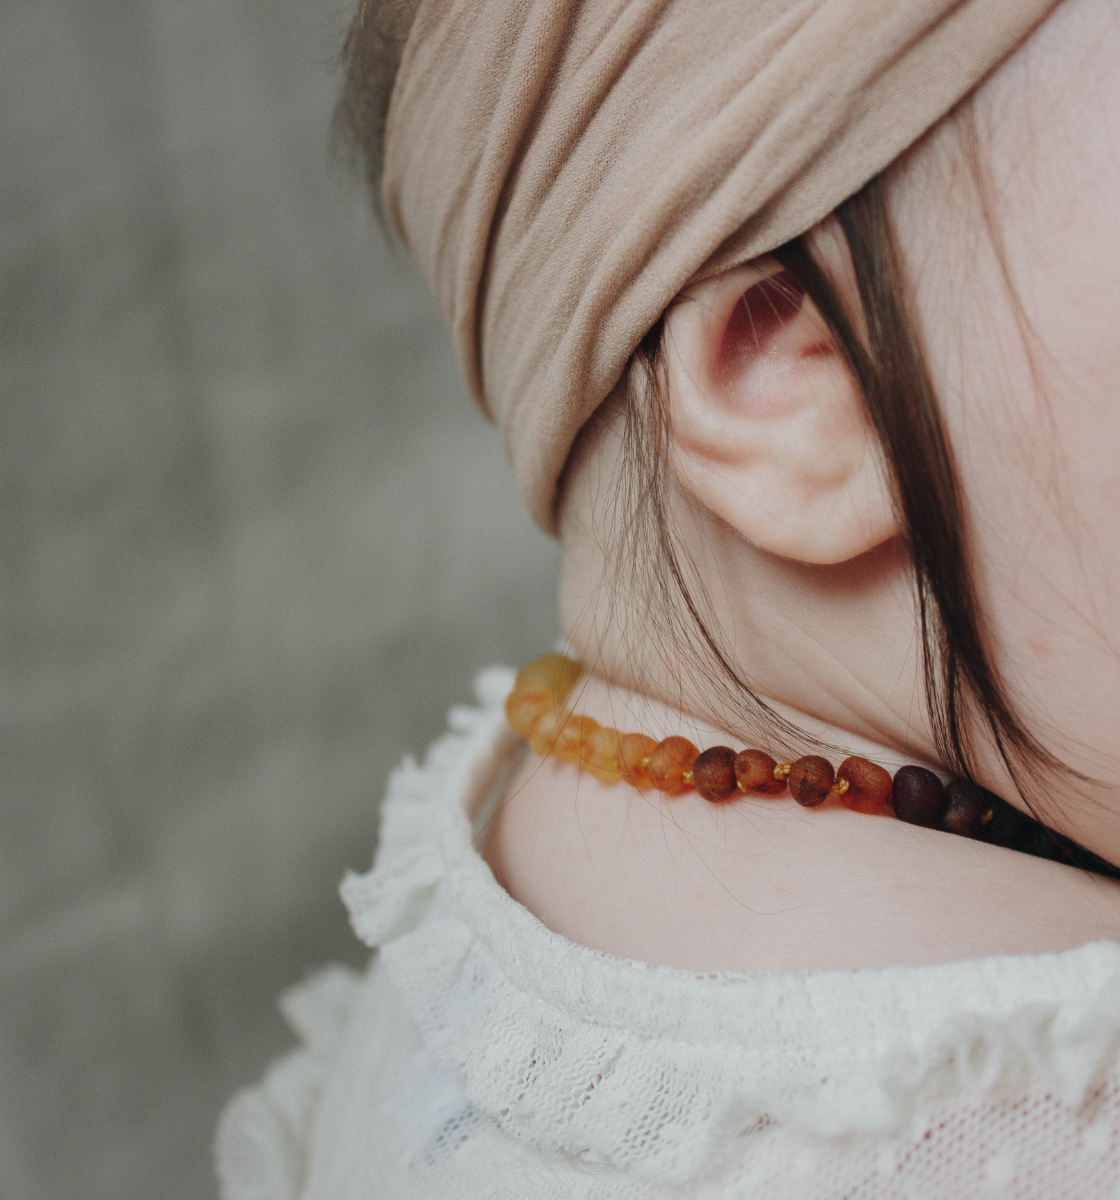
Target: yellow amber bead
545 732
525 707
554 674
604 754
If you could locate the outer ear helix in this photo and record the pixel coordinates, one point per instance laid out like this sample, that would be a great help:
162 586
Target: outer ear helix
768 428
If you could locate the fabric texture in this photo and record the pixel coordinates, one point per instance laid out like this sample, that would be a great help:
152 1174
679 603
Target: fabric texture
484 1056
561 169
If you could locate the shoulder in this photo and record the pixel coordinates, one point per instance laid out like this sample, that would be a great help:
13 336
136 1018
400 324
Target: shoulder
764 883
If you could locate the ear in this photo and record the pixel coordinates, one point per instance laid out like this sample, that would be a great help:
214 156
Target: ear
767 427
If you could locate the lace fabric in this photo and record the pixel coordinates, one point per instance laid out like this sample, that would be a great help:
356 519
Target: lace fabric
483 1055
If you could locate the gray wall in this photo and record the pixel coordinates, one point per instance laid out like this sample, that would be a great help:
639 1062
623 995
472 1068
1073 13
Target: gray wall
255 541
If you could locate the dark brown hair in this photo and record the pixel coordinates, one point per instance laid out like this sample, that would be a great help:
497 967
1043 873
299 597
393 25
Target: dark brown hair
963 688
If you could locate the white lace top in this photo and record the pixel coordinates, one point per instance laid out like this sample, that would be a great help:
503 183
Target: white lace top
483 1056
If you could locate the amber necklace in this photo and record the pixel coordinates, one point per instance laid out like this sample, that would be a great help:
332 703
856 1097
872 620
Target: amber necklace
536 709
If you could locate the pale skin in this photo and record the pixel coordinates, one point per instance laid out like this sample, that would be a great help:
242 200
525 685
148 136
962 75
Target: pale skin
780 493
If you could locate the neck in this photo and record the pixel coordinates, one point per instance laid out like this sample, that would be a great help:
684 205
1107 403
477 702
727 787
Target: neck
624 708
831 649
759 882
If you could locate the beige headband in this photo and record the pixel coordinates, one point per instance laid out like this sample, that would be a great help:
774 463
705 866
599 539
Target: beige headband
561 169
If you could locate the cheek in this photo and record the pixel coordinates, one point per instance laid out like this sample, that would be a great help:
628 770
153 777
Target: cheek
1029 376
1043 499
1062 419
1037 438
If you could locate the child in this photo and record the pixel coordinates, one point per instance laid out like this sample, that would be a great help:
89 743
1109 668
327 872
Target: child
799 320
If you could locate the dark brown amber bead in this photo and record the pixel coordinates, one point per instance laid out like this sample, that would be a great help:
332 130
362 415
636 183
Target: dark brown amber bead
964 808
918 796
810 779
754 770
713 774
869 786
1001 824
670 765
634 750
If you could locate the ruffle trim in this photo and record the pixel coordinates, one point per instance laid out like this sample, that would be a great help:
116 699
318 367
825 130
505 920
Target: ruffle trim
424 809
662 1107
1062 1050
668 1109
264 1135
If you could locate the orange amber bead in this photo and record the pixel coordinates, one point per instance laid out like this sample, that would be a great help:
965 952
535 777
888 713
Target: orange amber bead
635 750
562 734
810 779
670 765
869 786
754 771
525 707
604 754
713 774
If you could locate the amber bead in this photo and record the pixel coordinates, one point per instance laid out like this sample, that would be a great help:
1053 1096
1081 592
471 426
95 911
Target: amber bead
1001 824
544 731
918 796
713 774
810 779
554 674
868 785
964 808
670 765
754 771
571 745
561 734
635 750
525 707
604 757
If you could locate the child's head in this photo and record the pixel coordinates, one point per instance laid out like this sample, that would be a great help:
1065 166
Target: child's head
918 387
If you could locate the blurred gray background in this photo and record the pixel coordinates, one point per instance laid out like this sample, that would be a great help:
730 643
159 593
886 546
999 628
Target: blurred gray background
255 542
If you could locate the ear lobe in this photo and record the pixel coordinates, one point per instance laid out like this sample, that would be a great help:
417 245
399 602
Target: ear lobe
767 426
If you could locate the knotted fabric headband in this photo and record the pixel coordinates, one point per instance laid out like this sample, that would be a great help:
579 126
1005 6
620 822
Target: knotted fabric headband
562 169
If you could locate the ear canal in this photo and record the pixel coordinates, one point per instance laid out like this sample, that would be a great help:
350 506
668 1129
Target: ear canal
761 311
